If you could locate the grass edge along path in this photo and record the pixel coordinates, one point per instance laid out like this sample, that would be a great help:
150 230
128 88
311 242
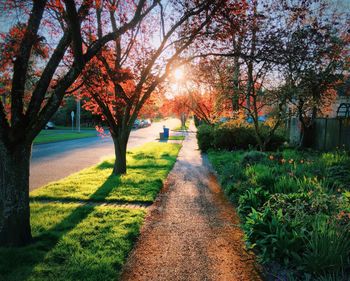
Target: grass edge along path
89 241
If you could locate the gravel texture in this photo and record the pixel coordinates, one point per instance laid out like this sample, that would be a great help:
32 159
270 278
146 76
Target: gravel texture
191 232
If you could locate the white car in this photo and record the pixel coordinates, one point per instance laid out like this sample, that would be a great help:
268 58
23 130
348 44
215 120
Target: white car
49 126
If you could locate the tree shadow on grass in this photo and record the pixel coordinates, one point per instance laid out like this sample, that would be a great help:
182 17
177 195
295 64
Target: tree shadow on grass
19 263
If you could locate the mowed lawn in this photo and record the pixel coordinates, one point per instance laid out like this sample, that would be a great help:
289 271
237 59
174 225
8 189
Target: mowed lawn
47 136
148 167
75 241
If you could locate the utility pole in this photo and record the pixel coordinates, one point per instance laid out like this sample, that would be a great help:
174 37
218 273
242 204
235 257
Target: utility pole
78 115
72 116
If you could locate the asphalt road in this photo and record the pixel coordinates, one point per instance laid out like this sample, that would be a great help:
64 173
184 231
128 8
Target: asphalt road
53 161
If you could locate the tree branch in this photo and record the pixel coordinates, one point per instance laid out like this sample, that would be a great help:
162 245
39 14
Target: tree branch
74 28
46 77
21 62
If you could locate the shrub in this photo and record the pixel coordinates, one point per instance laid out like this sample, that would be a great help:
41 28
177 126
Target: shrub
231 138
276 140
205 135
253 157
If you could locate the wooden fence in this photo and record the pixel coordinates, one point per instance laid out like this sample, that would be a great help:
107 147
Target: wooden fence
328 134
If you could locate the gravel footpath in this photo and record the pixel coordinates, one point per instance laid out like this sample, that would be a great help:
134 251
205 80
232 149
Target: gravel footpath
191 232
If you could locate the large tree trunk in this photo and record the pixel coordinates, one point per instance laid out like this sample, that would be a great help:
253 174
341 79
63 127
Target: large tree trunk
14 195
120 145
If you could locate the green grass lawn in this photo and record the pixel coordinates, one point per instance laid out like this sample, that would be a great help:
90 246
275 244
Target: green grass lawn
148 166
176 138
181 128
70 128
73 242
47 136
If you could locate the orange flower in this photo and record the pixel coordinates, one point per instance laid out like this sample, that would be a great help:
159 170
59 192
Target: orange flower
271 157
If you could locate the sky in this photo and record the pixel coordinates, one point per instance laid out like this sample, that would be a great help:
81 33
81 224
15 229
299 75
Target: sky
6 22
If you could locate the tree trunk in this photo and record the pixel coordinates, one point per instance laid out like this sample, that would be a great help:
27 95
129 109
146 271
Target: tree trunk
14 195
183 120
120 145
308 136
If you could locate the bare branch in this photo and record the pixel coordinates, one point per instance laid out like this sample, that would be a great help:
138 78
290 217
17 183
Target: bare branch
21 62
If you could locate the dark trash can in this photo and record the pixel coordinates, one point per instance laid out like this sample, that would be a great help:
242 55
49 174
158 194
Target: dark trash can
166 133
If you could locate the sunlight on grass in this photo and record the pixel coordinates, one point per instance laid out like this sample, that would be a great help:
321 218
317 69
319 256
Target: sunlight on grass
148 167
176 138
73 242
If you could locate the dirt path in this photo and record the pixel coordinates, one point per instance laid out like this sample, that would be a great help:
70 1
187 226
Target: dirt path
191 232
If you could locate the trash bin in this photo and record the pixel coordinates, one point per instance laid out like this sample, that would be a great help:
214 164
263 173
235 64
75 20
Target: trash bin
166 133
161 136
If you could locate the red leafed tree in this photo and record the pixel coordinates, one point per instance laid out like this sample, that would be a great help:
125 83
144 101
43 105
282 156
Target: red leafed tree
40 59
177 106
123 76
203 106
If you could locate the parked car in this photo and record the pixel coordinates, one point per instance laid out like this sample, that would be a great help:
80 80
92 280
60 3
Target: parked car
137 124
145 123
261 118
49 126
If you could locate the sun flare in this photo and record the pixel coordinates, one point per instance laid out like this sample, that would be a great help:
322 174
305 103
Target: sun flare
178 74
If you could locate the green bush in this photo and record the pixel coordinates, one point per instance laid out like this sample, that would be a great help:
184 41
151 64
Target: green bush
205 135
230 136
233 138
276 140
